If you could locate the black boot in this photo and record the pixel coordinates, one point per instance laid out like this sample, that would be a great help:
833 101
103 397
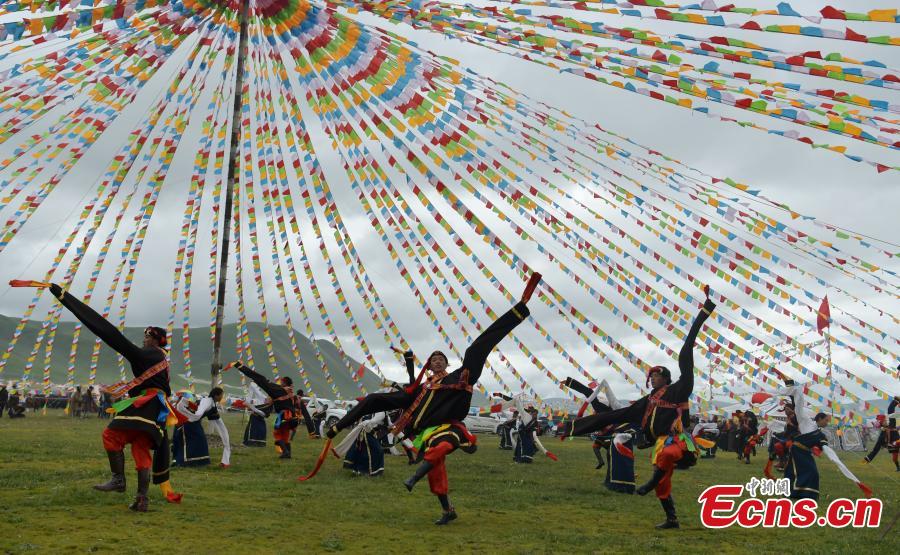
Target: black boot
449 512
410 456
117 467
668 505
598 452
446 518
423 469
285 450
141 501
654 481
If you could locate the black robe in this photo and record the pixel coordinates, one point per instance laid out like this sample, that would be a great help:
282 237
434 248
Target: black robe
619 468
660 420
440 405
146 417
888 436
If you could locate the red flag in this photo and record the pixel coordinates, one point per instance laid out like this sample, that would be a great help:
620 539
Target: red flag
824 317
361 372
496 408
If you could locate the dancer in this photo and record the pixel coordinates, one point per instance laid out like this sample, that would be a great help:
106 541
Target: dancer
259 407
615 442
527 442
311 429
708 431
4 398
504 430
434 409
208 408
801 469
14 406
748 436
664 416
783 433
189 445
140 419
888 437
283 400
362 452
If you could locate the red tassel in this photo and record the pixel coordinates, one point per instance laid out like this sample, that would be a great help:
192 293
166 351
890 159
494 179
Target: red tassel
325 449
552 456
768 470
624 451
584 407
706 290
817 451
531 286
174 497
27 283
865 489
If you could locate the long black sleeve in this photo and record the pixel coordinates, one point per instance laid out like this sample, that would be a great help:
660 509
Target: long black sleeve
596 404
588 424
892 422
272 390
101 327
410 367
477 353
577 386
685 384
307 419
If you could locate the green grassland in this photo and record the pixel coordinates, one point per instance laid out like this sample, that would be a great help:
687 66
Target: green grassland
48 463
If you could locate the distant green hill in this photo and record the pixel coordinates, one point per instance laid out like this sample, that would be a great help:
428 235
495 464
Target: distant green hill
201 357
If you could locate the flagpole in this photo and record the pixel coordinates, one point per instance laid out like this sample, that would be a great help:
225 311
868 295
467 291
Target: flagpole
233 178
826 317
830 376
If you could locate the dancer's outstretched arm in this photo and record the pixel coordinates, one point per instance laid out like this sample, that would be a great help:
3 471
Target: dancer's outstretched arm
409 360
590 395
205 404
99 326
272 389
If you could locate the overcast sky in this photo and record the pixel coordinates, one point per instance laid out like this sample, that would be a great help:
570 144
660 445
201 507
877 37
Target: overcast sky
813 182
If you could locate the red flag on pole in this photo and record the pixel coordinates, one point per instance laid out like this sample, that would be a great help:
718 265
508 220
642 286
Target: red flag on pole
496 408
360 372
824 316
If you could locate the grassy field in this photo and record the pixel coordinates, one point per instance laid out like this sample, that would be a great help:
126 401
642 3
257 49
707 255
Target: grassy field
48 463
